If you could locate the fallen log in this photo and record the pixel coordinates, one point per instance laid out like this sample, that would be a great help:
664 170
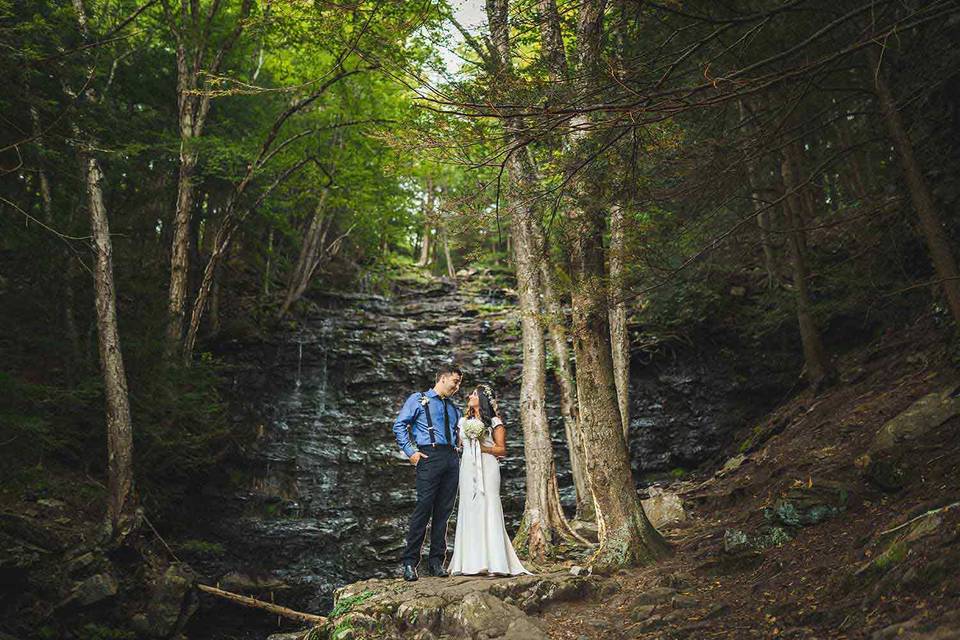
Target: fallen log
247 601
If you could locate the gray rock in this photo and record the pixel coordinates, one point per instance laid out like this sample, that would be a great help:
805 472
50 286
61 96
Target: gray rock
420 612
663 509
172 602
656 595
642 612
93 590
886 475
23 528
809 504
81 564
684 601
481 612
524 629
923 416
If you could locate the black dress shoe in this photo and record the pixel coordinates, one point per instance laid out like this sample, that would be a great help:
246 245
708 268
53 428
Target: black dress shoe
409 573
435 568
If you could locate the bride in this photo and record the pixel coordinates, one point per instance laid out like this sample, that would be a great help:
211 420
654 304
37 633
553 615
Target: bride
481 544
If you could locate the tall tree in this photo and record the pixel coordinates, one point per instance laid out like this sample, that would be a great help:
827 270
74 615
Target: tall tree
815 356
625 534
194 27
619 336
923 202
543 524
122 498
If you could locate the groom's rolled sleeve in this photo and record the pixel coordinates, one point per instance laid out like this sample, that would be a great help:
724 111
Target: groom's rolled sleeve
403 426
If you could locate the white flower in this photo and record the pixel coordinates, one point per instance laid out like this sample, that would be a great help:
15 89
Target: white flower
473 428
424 401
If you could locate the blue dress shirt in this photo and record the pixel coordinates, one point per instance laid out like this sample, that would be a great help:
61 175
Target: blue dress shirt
413 417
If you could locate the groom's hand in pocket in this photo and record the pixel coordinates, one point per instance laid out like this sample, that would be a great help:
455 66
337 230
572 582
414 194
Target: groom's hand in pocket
415 458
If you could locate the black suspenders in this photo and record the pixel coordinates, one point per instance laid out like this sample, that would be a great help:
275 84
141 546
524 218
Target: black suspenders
426 408
446 420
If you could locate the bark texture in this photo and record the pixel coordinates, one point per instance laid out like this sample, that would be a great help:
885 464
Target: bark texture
122 499
619 337
569 408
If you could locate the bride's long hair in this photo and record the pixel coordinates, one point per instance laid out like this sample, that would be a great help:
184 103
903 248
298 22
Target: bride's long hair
487 405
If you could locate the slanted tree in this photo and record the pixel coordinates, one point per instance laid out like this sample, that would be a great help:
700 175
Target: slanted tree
923 202
122 498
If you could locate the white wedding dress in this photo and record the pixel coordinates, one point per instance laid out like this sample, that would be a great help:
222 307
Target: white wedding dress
481 544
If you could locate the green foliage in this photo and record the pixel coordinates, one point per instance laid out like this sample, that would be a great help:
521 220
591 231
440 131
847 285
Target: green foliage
892 556
202 548
345 605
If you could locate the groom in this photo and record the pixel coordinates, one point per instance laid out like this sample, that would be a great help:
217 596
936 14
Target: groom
426 431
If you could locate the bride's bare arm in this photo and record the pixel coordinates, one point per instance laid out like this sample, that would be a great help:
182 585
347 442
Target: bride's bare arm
499 448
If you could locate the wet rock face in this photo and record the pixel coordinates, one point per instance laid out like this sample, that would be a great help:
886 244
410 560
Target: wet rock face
323 497
330 494
686 402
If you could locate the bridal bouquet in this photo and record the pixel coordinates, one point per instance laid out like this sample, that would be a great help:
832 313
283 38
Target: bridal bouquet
473 428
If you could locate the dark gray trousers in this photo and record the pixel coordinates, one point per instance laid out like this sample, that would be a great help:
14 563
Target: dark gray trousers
437 480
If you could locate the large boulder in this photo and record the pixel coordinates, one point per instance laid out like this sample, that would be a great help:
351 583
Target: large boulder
483 613
664 509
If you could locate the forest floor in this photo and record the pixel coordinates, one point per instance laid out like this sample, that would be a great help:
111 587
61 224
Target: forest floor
833 522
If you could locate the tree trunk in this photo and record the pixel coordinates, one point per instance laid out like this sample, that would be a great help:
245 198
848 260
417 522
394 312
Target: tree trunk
626 536
221 244
619 338
937 242
267 268
762 216
557 326
426 247
310 254
180 249
451 271
815 356
122 499
543 525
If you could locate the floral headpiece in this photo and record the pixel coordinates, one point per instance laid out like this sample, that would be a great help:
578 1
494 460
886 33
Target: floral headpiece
487 391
